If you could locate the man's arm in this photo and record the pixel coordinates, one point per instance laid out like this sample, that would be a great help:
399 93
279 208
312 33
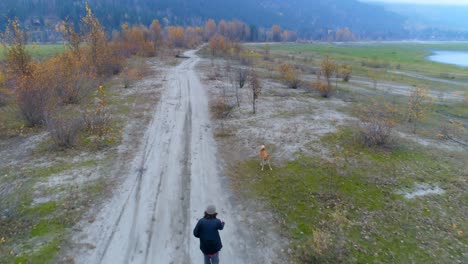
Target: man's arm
196 230
221 225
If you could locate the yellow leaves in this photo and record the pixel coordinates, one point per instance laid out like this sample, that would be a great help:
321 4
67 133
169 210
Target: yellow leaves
289 74
89 12
2 240
418 104
459 231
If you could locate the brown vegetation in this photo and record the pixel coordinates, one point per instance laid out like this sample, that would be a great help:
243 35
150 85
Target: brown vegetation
378 123
419 104
328 68
289 75
220 108
256 87
345 71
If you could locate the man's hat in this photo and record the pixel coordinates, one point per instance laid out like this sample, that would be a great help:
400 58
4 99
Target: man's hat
211 210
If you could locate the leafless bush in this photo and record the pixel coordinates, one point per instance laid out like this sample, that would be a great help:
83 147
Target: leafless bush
256 86
97 122
323 89
345 72
34 100
241 77
245 61
134 73
220 108
215 74
63 130
452 130
378 124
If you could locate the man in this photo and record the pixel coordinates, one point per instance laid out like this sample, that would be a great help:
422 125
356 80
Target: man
207 231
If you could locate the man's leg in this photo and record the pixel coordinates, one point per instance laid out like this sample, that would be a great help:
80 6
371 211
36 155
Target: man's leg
207 259
215 259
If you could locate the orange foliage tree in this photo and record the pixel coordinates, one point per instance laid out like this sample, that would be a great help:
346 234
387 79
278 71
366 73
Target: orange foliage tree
209 30
276 33
218 45
176 36
156 35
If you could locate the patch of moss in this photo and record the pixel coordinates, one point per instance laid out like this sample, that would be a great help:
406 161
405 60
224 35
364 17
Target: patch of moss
45 254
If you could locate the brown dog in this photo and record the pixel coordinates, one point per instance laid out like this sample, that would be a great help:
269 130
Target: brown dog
264 157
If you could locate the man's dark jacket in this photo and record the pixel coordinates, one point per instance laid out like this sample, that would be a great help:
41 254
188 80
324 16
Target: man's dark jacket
207 230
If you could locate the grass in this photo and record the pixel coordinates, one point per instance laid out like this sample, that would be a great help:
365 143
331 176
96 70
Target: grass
348 210
33 232
377 59
40 51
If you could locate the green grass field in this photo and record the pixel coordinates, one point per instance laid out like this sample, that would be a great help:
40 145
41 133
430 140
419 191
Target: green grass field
350 206
351 210
40 51
379 57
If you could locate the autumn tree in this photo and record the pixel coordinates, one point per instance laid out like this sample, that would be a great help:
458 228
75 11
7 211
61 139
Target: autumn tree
176 36
345 71
156 35
344 34
276 33
209 30
328 68
256 87
418 106
218 45
289 36
101 60
193 36
223 28
289 75
18 60
73 38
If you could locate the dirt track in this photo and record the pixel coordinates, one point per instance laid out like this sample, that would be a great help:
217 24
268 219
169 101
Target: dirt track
150 220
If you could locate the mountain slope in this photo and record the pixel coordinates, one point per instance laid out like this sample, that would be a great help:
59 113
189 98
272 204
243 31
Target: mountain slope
310 18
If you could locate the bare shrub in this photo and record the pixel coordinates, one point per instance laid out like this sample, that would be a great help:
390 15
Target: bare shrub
97 122
134 73
71 80
419 104
374 64
220 108
34 97
345 72
323 89
241 77
5 94
64 130
378 123
266 52
328 68
289 75
256 87
215 74
452 130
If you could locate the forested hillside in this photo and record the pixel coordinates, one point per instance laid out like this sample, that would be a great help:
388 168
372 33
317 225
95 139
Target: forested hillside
312 19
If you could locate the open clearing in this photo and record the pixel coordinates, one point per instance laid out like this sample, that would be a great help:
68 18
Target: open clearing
337 200
329 198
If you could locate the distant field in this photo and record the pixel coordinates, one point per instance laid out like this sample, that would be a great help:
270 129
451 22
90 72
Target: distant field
408 56
40 51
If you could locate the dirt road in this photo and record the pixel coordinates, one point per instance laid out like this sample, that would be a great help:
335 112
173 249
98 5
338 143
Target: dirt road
178 174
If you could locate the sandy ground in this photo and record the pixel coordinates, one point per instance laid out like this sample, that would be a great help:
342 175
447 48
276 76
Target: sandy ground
173 178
